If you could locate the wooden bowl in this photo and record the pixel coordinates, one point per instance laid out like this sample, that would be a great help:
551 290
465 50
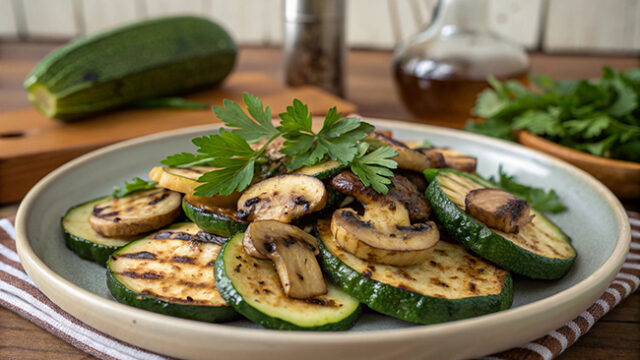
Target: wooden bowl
622 177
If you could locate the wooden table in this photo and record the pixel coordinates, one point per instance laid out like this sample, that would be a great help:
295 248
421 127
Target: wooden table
370 86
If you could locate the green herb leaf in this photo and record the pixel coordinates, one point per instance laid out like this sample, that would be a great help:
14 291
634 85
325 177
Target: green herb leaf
538 122
236 175
374 168
544 201
136 184
252 130
183 159
337 139
600 117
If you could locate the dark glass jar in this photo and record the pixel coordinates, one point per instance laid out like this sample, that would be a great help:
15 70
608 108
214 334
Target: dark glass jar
440 71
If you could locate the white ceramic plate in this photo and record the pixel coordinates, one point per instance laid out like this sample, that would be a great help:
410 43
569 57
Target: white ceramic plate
596 221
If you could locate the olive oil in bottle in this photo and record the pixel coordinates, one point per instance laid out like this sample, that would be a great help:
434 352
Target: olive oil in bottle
440 71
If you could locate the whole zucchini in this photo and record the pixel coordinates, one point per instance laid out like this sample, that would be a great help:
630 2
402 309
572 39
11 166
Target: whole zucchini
144 60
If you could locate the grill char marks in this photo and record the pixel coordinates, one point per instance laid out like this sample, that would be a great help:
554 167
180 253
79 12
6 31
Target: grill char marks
171 266
498 209
139 255
403 191
136 213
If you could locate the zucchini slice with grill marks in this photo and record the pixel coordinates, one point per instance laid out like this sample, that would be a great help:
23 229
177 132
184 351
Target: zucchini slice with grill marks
171 273
253 288
83 240
321 171
451 284
137 213
219 221
539 250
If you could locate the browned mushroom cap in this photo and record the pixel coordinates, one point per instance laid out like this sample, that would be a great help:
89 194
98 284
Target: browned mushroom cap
407 158
283 198
403 191
293 254
384 234
415 178
498 209
453 159
378 240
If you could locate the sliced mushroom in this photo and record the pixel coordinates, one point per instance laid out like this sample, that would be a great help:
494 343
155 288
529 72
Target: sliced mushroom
498 209
381 242
183 180
453 159
384 234
283 198
293 254
275 229
136 213
403 190
407 158
417 179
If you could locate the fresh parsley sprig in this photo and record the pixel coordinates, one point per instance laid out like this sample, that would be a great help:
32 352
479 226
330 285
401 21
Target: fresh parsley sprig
600 117
231 152
136 184
374 168
338 138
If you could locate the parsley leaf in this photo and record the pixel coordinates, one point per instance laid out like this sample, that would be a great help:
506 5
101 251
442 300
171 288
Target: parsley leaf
538 198
337 139
235 176
252 130
374 168
184 159
136 184
235 159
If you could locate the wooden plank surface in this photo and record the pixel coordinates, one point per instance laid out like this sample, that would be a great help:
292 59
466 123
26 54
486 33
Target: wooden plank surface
371 88
32 145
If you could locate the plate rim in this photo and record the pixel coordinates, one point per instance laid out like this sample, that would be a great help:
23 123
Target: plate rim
33 264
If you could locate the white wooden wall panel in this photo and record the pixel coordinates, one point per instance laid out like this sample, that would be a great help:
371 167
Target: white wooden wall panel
568 25
8 25
636 30
173 7
369 24
578 25
274 22
245 19
101 15
518 20
50 19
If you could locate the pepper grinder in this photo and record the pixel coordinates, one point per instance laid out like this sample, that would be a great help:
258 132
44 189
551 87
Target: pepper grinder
314 47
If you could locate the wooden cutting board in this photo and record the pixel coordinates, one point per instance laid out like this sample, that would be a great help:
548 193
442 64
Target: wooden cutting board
32 145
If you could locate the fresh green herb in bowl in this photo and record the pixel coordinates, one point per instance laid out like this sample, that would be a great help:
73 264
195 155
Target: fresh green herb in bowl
599 117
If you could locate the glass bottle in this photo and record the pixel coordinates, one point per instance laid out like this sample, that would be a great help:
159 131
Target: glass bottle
440 71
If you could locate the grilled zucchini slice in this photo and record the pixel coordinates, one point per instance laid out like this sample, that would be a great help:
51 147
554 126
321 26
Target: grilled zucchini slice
137 213
540 250
219 221
321 171
83 240
451 284
253 288
171 273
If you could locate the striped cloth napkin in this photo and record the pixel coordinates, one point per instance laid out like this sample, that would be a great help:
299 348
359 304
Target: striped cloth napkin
19 294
